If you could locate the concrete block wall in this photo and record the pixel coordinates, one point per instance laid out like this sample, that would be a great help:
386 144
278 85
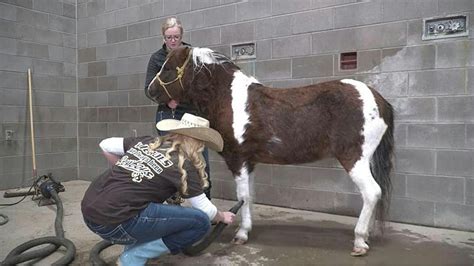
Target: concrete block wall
430 84
40 35
115 41
299 43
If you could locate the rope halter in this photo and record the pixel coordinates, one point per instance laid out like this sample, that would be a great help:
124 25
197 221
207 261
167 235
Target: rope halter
179 76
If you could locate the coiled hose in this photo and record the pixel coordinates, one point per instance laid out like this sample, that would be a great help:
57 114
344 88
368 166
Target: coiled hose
193 250
94 255
17 255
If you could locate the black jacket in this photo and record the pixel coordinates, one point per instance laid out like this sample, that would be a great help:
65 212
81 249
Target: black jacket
157 60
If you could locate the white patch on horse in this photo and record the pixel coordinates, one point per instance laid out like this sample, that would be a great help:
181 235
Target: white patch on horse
239 88
374 126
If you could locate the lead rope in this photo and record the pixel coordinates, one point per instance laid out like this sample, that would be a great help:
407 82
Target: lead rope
163 84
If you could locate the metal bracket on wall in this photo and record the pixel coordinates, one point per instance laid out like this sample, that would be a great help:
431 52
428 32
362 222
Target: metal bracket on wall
243 51
445 27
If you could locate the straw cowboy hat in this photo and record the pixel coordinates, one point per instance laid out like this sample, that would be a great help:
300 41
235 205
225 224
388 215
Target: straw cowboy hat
195 127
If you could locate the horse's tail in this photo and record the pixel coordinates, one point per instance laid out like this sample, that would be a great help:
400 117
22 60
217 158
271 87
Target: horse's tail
381 164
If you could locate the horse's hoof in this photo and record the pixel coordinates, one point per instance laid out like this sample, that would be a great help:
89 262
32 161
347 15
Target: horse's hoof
359 252
238 241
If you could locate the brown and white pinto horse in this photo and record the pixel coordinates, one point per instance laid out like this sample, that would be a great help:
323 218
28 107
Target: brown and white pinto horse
344 119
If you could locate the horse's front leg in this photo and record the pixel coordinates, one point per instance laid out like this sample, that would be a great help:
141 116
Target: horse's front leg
243 193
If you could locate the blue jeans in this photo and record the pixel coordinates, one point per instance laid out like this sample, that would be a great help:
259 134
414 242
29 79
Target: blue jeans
177 114
179 227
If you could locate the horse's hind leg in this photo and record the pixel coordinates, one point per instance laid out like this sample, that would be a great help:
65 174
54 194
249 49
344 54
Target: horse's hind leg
371 193
243 193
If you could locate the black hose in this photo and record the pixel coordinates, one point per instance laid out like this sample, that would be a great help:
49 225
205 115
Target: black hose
206 241
94 255
17 256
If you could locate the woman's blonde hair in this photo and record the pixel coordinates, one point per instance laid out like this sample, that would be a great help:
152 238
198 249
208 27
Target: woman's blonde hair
188 149
170 23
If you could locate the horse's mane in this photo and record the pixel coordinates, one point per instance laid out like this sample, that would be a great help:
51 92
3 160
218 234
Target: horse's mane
203 56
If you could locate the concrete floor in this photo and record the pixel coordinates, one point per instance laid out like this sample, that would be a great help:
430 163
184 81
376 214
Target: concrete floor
280 236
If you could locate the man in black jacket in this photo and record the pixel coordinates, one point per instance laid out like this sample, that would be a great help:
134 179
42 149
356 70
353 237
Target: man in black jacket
172 32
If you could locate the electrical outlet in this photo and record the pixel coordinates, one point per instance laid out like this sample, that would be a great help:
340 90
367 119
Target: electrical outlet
8 134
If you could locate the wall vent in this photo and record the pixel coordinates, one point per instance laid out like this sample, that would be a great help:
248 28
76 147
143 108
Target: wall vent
348 61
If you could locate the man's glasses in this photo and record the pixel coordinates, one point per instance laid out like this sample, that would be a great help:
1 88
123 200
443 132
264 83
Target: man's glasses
172 37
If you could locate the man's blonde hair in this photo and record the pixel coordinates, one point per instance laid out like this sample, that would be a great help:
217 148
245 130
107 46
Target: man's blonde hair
188 149
170 23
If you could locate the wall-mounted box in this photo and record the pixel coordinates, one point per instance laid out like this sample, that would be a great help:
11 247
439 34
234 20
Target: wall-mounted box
445 27
243 51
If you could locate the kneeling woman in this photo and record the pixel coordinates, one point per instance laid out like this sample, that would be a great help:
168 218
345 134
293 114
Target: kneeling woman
125 204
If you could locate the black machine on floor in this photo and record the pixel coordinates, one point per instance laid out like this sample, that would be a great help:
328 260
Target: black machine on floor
41 190
45 189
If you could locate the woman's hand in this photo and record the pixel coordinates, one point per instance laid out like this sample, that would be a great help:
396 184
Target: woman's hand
224 217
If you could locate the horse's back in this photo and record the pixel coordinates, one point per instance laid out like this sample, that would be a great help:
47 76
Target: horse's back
300 125
315 108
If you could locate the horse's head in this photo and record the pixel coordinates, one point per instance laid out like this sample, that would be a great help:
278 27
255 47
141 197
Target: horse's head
170 82
193 76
